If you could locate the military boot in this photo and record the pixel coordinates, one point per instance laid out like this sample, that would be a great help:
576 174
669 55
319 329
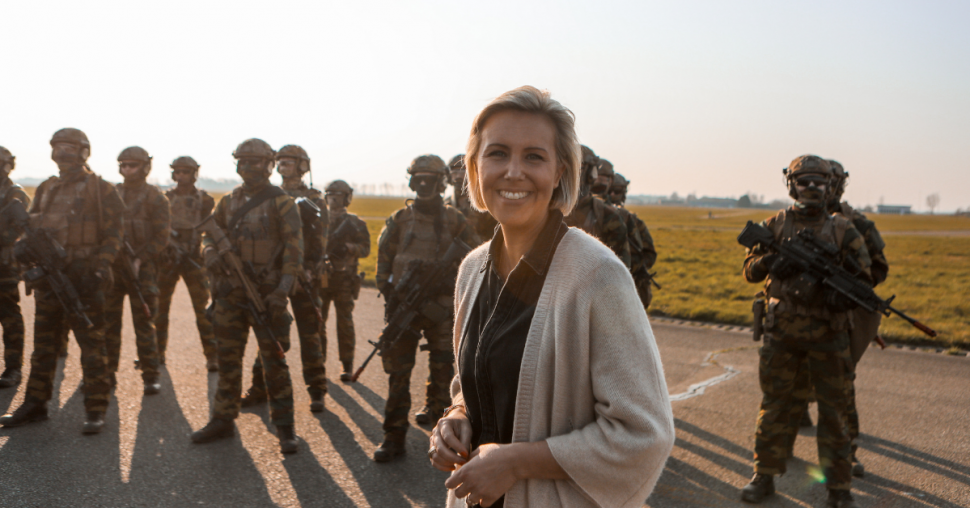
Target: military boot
253 397
390 448
26 413
152 386
348 372
858 470
287 438
212 364
761 485
428 415
316 403
93 422
11 377
217 428
840 499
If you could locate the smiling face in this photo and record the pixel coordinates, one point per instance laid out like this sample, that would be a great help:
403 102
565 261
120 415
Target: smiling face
518 169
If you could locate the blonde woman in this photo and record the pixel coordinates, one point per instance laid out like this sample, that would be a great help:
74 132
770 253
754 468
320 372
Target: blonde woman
560 397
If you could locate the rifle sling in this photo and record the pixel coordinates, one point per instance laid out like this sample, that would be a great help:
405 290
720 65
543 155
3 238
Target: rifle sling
271 191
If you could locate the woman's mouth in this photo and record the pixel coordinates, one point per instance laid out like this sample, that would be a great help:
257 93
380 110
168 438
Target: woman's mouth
513 194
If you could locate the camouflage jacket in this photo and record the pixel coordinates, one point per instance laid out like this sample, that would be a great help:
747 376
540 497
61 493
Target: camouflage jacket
601 220
643 254
188 210
97 231
359 240
148 219
315 238
410 234
273 226
801 320
874 243
482 223
9 231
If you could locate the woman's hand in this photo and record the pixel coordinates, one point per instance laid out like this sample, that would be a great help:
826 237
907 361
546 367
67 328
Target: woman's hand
450 441
487 476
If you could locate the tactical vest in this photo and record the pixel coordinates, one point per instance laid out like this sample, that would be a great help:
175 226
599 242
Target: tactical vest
138 211
187 210
257 235
69 211
6 251
419 239
780 293
347 263
311 229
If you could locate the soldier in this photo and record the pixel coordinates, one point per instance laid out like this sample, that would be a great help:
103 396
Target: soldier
806 328
865 324
349 241
10 317
644 260
263 224
292 163
83 213
147 224
481 222
594 216
423 230
183 258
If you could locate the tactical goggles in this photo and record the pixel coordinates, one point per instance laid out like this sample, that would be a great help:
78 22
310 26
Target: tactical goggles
805 181
129 164
187 171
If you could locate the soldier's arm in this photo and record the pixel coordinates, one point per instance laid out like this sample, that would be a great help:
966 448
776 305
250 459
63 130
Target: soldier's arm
755 266
876 247
854 249
361 239
467 232
386 250
35 204
208 203
291 234
9 235
220 218
616 235
324 223
161 222
649 250
112 225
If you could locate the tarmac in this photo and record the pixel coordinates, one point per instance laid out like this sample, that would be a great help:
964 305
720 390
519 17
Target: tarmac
914 409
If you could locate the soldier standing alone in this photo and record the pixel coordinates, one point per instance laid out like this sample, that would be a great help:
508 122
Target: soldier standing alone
349 241
83 213
10 316
292 163
182 258
147 229
423 230
263 225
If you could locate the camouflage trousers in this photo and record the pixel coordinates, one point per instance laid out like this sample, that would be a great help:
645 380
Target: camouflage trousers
343 303
49 322
804 394
398 362
144 325
231 322
198 286
12 322
312 353
781 364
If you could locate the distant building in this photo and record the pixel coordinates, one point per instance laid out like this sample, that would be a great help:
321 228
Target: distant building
894 209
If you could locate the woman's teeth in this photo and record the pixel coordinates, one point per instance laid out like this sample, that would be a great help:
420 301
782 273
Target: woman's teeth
513 195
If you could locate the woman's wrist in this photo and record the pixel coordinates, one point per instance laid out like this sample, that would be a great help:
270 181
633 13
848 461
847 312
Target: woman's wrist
457 407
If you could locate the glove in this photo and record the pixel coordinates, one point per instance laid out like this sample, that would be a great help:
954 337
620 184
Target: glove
339 250
213 263
104 278
276 301
782 268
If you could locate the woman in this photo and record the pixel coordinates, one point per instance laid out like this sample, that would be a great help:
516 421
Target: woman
560 398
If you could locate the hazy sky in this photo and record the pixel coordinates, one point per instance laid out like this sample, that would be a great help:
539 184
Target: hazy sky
708 97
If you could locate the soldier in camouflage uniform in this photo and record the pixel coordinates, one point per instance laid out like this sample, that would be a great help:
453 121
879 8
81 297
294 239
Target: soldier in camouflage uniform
292 163
344 282
865 324
11 319
423 230
264 226
481 222
183 258
643 254
594 216
84 214
148 224
806 328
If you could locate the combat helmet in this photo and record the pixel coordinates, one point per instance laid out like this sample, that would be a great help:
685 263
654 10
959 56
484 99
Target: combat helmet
340 187
605 168
804 165
840 178
457 162
298 153
185 162
137 154
427 164
620 186
7 158
254 148
75 137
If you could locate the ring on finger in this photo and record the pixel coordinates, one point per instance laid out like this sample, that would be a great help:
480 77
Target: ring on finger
431 453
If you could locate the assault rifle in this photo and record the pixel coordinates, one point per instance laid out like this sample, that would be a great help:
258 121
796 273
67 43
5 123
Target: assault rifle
814 259
414 297
254 302
47 258
180 253
127 257
340 237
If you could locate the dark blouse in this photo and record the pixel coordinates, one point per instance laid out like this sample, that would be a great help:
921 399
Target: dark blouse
490 354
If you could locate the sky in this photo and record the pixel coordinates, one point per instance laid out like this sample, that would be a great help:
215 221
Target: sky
705 97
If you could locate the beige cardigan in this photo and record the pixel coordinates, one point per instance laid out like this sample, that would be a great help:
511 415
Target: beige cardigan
591 383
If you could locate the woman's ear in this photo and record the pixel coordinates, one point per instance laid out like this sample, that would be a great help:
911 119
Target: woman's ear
560 169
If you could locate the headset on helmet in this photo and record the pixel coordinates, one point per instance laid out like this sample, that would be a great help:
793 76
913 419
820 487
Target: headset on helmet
297 153
185 162
806 164
429 164
340 187
75 137
137 154
840 178
7 158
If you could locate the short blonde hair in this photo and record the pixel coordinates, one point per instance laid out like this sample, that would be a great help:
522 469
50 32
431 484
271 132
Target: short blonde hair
529 99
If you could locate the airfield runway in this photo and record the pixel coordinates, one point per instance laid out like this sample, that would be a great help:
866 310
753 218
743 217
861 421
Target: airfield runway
914 409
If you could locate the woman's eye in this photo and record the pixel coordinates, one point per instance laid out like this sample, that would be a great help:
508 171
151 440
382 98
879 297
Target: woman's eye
496 153
534 157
